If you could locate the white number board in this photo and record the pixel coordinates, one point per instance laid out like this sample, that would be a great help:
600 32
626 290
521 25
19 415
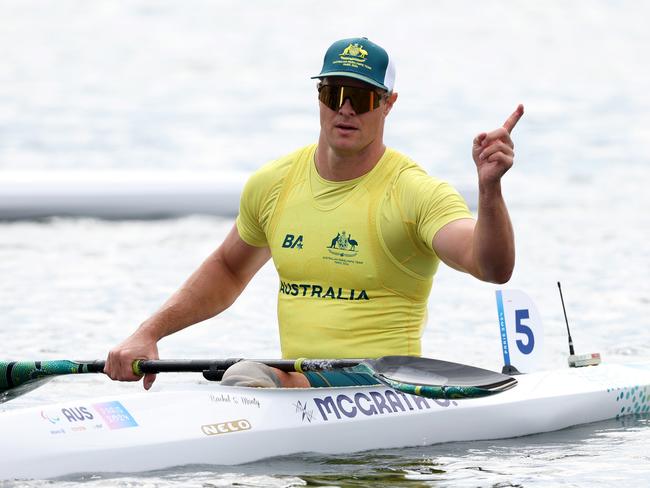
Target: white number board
522 333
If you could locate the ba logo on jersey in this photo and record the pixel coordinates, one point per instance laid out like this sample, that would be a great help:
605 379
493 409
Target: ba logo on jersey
292 242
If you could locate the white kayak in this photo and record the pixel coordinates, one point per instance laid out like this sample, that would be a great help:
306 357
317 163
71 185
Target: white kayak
208 423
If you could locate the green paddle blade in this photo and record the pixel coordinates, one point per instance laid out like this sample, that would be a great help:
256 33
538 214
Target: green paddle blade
19 377
433 378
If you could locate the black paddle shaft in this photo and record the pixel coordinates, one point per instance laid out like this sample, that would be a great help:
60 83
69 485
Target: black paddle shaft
154 366
419 376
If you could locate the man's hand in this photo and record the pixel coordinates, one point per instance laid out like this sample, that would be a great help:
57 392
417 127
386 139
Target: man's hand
493 152
485 248
120 359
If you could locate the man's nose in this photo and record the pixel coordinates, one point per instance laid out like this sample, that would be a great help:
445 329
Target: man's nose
347 108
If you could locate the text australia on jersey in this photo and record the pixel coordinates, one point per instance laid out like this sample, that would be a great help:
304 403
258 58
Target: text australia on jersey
342 249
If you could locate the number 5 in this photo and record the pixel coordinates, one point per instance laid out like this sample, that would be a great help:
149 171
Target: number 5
524 329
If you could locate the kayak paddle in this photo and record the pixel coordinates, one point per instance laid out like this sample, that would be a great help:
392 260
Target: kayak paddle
425 377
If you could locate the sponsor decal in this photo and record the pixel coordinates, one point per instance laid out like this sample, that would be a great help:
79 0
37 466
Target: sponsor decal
304 410
292 242
367 404
77 419
318 291
226 427
115 415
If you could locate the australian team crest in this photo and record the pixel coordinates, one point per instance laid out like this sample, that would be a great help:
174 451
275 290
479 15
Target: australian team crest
343 245
355 50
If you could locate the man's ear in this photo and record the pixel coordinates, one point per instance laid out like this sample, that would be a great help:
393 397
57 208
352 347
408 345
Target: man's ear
390 101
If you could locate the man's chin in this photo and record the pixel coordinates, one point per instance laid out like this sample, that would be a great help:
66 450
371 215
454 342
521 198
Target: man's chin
346 143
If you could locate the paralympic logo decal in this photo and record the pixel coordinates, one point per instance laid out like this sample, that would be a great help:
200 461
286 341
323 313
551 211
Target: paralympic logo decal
50 418
81 418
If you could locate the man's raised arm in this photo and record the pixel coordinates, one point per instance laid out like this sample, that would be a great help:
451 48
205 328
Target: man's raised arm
485 248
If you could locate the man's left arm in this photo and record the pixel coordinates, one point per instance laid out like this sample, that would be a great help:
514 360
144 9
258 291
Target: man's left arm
485 248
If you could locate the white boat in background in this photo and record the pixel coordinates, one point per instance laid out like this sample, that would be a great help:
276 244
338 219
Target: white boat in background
126 194
119 194
208 423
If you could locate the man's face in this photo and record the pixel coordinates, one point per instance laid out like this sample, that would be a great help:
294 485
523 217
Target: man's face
346 131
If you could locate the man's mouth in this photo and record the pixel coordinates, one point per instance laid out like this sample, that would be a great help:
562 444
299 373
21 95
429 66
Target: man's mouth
345 127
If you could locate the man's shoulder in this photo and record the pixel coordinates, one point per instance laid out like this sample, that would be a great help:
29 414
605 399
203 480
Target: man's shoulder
408 173
261 194
275 171
415 188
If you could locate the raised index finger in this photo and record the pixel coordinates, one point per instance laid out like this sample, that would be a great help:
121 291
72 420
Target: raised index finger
511 121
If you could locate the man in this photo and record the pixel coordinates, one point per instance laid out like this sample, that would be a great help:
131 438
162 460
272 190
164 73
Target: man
356 231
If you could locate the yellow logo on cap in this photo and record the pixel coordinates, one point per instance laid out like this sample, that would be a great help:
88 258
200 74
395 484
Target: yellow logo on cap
355 51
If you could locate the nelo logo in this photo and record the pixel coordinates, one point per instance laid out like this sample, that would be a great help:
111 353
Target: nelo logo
226 427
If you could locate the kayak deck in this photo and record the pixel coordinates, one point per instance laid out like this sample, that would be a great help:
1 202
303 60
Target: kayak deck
212 424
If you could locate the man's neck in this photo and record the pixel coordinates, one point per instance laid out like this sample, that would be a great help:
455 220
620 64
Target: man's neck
336 165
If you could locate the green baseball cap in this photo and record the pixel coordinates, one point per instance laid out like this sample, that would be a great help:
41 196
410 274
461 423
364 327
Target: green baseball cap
362 59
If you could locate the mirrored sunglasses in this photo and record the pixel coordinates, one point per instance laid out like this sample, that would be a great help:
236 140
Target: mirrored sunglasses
362 99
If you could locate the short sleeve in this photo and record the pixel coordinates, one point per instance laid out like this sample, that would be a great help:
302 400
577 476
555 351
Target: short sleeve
431 203
248 222
258 200
444 206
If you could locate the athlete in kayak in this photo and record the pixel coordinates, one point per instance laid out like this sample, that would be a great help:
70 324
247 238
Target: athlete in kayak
356 231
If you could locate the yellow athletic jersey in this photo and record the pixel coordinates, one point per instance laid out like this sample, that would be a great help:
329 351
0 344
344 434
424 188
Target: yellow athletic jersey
355 258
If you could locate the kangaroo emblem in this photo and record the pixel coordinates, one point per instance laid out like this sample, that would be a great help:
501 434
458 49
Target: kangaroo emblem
355 50
343 246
